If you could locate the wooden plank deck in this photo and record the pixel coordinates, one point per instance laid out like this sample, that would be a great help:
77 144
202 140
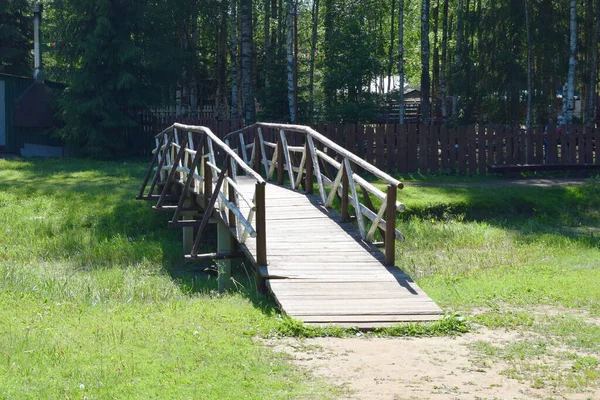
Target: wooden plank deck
321 272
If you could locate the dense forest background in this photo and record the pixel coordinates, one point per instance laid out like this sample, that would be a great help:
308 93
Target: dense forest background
512 62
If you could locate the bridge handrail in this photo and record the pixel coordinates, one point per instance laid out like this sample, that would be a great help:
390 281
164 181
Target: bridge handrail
222 146
343 184
176 154
328 143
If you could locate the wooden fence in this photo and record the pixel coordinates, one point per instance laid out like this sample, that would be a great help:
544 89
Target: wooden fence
412 148
420 148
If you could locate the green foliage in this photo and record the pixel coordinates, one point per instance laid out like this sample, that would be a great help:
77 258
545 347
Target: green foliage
16 37
354 52
105 77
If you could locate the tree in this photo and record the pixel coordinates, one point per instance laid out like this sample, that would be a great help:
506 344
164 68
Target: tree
529 69
572 62
391 48
106 73
313 53
425 85
401 59
16 37
247 61
291 87
235 113
593 70
457 71
443 68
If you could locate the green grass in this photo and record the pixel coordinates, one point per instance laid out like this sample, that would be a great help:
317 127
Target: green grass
474 246
96 302
515 257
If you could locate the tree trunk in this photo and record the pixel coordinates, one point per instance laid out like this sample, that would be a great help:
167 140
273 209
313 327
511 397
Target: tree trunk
391 49
457 59
296 58
247 61
401 109
313 50
529 71
221 96
572 62
290 60
436 60
235 113
425 111
267 44
593 71
444 66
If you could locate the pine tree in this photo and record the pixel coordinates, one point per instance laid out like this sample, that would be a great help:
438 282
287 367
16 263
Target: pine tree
105 78
16 37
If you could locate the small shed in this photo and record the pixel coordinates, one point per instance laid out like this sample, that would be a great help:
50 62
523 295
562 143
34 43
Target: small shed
26 118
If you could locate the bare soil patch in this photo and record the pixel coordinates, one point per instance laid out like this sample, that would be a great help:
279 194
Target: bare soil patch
531 182
422 368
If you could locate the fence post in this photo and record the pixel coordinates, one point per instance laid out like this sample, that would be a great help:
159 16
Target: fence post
390 226
308 179
261 227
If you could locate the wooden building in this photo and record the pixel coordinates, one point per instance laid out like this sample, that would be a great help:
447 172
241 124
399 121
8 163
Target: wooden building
26 117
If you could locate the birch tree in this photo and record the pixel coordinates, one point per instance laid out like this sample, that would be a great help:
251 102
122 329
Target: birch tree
247 60
401 59
457 59
443 88
391 48
529 71
290 60
593 70
572 62
235 113
425 110
313 54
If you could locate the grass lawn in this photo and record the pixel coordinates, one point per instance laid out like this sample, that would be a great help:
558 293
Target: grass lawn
513 257
96 301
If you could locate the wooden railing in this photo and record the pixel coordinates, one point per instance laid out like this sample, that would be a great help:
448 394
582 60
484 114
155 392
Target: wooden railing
193 156
272 147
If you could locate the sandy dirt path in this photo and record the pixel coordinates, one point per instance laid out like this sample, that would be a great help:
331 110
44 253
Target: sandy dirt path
416 368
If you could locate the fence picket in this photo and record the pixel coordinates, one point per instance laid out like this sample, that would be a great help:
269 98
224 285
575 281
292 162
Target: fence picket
390 144
379 145
481 148
461 142
411 148
401 160
434 135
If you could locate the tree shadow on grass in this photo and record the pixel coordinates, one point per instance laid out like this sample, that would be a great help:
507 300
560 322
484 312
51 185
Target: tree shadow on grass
528 211
96 200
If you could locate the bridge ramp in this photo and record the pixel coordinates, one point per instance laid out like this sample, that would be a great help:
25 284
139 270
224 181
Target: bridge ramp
320 271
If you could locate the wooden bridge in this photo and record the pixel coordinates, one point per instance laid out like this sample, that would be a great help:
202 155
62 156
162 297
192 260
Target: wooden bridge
322 267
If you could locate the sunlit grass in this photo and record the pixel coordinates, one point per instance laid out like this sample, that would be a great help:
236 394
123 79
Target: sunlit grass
96 302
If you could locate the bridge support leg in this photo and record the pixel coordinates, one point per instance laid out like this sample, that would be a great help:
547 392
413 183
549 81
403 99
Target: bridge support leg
188 231
225 245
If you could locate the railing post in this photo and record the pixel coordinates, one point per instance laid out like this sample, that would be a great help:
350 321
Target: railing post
308 179
261 227
207 180
257 154
345 214
261 235
280 159
390 226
